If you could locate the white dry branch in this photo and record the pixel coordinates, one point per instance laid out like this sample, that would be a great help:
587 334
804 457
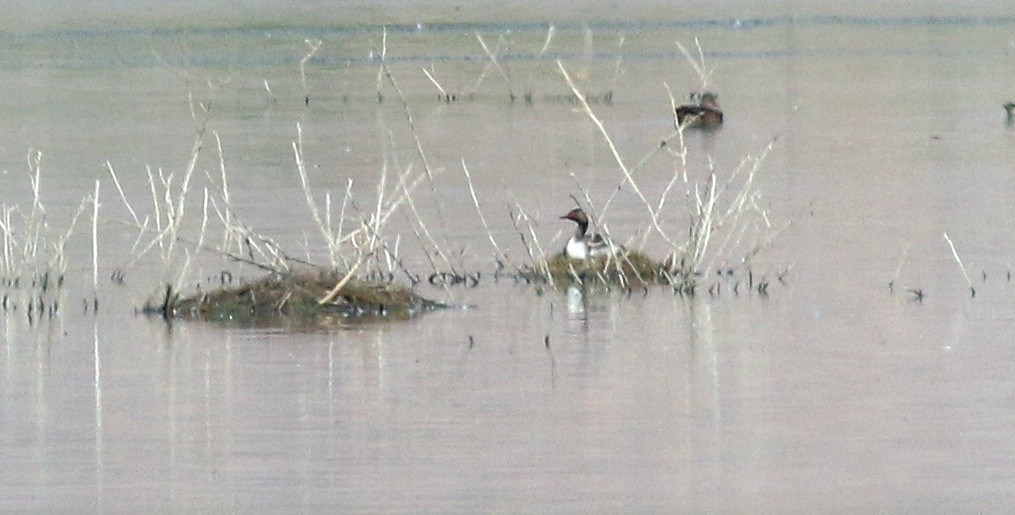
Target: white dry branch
31 245
305 183
616 155
440 88
407 112
95 237
314 45
962 267
498 253
119 189
493 59
703 71
549 37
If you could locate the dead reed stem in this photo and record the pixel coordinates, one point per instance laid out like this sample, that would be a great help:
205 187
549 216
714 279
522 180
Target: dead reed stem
681 151
704 73
426 231
618 62
341 211
962 267
498 253
702 229
423 157
376 218
642 162
95 238
549 37
155 202
30 243
488 66
497 65
616 155
341 284
745 200
8 230
898 268
534 249
227 233
440 88
35 177
314 45
123 198
311 203
197 246
59 261
177 212
36 220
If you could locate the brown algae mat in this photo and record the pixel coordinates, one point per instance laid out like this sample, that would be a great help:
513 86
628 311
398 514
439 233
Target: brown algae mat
298 295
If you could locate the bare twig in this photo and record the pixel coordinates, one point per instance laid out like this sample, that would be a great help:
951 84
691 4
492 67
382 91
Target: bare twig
305 183
443 92
314 45
496 64
95 238
123 197
962 267
499 254
549 37
616 154
704 73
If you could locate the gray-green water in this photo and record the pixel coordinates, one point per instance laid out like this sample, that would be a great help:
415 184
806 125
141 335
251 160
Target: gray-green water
831 393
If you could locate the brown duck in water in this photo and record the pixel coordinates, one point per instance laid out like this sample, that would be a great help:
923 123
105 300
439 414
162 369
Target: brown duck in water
705 115
1009 108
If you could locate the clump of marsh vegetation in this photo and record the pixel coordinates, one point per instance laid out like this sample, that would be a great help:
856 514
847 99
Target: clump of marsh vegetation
628 269
302 295
360 275
358 280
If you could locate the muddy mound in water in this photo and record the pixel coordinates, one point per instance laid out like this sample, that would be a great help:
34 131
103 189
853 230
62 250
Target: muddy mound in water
630 269
299 295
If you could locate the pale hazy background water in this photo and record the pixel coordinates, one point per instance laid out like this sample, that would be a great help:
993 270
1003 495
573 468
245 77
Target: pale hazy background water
831 393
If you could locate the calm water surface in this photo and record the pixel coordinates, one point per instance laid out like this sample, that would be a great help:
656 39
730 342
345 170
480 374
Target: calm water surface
831 392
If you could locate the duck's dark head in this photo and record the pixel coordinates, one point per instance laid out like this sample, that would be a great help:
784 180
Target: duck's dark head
709 100
1010 108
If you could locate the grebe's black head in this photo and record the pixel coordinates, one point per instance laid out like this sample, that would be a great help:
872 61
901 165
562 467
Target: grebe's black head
577 215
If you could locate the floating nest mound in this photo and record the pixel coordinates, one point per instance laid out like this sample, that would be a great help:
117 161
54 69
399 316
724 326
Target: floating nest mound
631 269
299 295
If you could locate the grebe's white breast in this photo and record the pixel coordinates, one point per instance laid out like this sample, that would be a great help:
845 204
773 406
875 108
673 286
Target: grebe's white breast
577 248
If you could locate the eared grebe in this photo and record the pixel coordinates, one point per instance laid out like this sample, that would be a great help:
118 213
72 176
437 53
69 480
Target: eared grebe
585 245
